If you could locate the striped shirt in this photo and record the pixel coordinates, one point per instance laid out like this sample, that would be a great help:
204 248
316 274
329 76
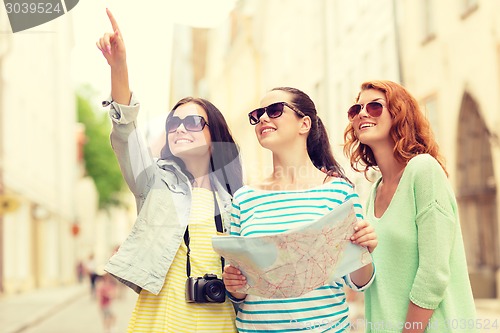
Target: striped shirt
262 212
169 311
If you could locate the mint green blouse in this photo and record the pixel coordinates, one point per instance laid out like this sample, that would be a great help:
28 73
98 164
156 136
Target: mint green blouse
420 255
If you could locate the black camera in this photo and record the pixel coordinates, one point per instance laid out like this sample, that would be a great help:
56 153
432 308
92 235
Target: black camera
206 289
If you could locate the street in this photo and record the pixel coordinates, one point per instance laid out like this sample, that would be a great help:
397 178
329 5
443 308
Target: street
83 316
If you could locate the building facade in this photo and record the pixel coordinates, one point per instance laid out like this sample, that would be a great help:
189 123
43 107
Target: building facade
447 53
451 62
38 158
49 215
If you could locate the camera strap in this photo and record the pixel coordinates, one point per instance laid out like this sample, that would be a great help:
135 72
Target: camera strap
218 225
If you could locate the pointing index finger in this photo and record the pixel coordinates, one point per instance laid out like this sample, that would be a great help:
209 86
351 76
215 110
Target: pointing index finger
112 20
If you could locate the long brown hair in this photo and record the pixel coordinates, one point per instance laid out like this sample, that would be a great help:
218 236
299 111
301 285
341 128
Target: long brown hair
318 144
224 151
411 131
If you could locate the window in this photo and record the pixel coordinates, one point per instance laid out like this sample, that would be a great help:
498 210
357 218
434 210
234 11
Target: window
468 7
430 109
428 23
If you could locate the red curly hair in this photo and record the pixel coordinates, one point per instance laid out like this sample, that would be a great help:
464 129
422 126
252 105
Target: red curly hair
410 131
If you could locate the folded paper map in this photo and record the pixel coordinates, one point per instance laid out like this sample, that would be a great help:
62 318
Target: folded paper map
297 261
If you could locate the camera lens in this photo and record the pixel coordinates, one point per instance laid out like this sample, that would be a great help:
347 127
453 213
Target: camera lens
215 291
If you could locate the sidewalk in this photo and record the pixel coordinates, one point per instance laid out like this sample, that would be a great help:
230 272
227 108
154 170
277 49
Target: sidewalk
488 309
487 316
17 312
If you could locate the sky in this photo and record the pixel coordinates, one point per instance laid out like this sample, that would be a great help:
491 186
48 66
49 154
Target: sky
147 31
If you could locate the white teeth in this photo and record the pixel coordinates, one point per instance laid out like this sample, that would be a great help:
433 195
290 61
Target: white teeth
365 125
268 130
183 141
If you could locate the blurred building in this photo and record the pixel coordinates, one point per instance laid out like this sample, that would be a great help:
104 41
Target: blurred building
49 214
451 62
8 203
186 62
264 44
38 157
363 44
446 53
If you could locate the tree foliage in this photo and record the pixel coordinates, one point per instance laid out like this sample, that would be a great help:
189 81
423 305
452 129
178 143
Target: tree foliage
100 161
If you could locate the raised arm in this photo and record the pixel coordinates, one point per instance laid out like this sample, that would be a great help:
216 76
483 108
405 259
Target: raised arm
113 49
134 157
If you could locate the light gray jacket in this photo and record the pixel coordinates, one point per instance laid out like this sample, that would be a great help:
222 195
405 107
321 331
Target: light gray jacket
163 197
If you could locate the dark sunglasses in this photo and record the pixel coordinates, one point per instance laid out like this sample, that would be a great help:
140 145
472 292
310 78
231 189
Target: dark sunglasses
192 123
273 111
374 109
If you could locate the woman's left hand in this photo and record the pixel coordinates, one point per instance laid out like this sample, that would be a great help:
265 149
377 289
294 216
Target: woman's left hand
364 235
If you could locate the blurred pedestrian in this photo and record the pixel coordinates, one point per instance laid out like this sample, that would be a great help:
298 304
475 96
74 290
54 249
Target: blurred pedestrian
422 279
106 293
80 271
120 287
90 268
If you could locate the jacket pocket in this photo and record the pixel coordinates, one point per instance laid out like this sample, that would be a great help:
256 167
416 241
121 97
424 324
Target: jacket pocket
174 183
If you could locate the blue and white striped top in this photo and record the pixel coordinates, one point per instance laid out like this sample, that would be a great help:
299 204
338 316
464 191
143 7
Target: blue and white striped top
262 212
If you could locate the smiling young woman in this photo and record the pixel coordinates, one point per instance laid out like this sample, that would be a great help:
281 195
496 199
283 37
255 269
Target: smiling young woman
183 199
297 192
422 281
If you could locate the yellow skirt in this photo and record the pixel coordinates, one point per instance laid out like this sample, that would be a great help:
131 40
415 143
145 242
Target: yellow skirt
169 311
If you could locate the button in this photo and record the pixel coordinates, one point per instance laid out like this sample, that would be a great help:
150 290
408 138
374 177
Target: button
106 103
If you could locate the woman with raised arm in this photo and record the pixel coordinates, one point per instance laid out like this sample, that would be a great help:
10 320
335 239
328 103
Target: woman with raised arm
422 281
183 199
296 193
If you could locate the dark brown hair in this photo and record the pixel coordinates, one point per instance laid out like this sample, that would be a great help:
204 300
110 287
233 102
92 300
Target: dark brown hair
318 144
224 153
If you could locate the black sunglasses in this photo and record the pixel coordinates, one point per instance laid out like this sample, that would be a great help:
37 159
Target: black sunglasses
192 123
273 111
374 109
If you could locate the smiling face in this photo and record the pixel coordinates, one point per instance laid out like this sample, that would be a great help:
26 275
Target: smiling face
371 130
274 133
190 145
